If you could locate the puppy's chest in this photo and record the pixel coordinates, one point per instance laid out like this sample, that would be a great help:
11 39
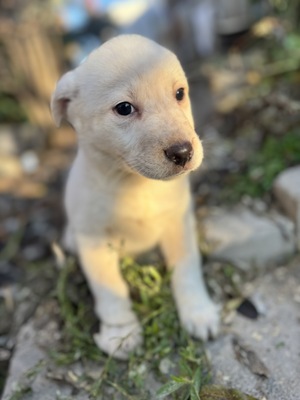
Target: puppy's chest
140 219
142 212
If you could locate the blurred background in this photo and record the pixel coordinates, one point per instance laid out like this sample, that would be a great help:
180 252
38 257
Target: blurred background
242 58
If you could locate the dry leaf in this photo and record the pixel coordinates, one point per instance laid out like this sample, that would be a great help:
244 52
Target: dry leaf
246 356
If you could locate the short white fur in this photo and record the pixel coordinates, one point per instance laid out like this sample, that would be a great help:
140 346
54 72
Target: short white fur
123 194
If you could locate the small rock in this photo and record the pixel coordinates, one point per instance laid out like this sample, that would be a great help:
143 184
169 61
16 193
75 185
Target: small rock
244 239
30 362
165 366
29 161
259 303
94 370
259 206
274 338
287 192
34 252
11 224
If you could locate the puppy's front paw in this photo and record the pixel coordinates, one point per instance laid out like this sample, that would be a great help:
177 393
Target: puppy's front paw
201 320
119 340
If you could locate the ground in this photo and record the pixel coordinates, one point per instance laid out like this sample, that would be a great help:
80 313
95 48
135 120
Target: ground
248 124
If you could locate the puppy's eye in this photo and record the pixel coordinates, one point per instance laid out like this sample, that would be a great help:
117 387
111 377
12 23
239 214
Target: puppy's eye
180 94
124 108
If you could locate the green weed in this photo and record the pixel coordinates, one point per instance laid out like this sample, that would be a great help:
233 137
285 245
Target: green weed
262 168
23 387
170 365
164 339
10 109
77 317
194 374
20 392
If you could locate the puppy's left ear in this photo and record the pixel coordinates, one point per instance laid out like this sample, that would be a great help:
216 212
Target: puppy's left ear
64 93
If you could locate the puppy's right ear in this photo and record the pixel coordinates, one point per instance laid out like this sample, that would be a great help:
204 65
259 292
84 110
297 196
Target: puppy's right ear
64 93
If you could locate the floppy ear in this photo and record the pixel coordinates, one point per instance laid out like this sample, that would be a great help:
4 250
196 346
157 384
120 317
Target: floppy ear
64 93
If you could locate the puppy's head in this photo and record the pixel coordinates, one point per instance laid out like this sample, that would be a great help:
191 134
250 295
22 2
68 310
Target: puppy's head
129 101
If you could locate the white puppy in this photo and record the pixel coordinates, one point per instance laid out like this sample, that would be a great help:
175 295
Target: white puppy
128 188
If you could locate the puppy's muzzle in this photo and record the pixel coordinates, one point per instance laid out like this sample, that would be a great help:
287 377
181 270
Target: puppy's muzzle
180 153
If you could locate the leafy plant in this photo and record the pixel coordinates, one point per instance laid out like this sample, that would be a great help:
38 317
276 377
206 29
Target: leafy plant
77 318
187 376
276 155
164 339
194 375
10 109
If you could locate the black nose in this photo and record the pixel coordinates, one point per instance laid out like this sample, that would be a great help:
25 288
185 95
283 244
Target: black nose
180 153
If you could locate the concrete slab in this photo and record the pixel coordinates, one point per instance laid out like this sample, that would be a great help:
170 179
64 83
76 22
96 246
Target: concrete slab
246 239
30 364
274 338
287 192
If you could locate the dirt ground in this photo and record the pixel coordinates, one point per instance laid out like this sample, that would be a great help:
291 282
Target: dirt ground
34 168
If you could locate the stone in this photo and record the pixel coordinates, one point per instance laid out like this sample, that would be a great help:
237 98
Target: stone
287 191
29 161
30 365
273 338
166 366
246 240
34 375
217 150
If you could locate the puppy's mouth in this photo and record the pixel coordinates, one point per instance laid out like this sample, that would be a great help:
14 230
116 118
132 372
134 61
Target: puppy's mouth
163 174
173 161
164 170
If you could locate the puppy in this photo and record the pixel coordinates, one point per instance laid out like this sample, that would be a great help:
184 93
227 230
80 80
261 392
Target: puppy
128 189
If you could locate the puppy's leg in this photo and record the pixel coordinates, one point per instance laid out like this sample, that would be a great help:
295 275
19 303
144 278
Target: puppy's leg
198 314
120 330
